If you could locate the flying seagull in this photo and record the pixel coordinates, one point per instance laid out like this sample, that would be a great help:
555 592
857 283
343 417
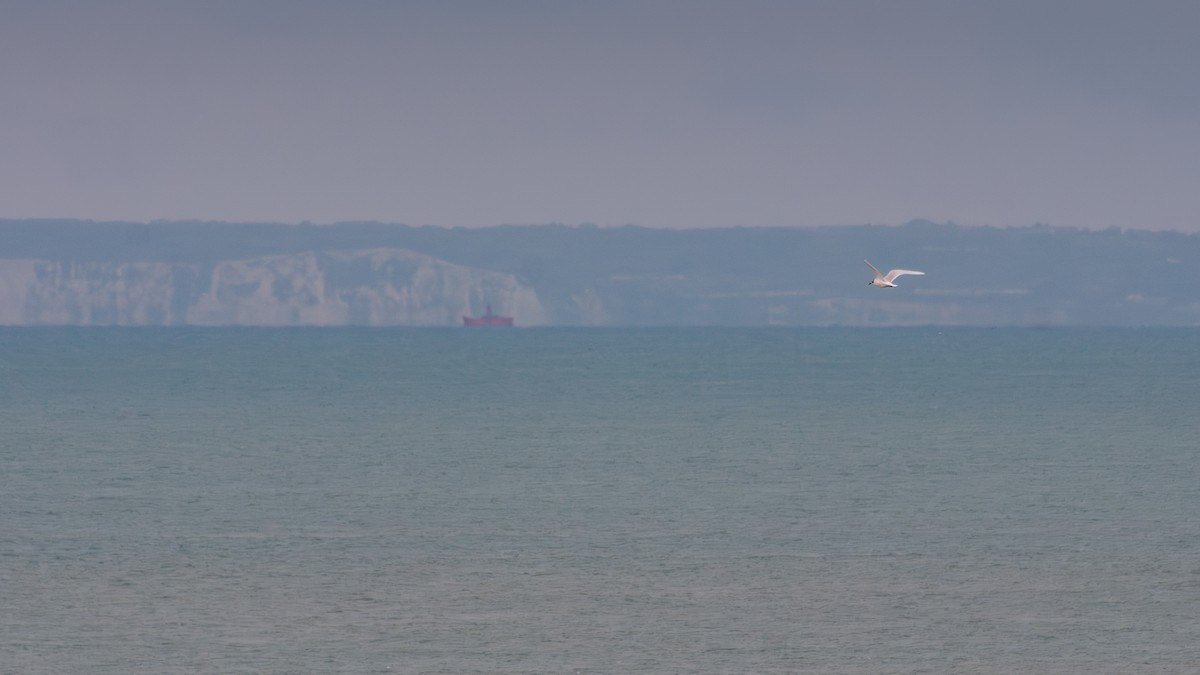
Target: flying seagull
885 281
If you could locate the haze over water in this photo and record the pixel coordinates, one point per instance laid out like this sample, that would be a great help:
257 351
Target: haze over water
599 501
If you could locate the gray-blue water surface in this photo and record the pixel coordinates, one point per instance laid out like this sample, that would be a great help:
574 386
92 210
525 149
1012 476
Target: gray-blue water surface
599 501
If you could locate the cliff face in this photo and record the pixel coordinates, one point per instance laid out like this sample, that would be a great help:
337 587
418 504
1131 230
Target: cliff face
371 287
87 273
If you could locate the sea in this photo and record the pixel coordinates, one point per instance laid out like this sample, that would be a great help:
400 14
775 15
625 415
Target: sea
596 500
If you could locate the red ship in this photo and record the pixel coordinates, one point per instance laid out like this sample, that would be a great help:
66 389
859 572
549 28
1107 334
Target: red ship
488 319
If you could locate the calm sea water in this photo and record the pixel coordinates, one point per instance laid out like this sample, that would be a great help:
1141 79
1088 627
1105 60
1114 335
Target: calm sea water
599 501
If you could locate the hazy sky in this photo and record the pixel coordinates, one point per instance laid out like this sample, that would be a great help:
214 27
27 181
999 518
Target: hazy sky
659 113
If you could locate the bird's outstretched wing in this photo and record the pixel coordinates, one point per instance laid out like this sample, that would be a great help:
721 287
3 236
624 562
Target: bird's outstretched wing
891 276
873 269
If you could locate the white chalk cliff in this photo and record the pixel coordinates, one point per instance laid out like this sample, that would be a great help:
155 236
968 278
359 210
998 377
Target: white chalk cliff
371 287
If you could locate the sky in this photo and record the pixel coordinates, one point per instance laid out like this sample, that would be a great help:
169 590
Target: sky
660 113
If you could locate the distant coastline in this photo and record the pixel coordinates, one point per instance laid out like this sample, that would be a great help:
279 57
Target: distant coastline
74 272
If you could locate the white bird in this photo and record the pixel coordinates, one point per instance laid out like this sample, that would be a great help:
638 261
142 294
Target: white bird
885 280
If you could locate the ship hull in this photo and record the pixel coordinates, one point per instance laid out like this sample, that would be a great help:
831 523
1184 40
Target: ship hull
487 321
